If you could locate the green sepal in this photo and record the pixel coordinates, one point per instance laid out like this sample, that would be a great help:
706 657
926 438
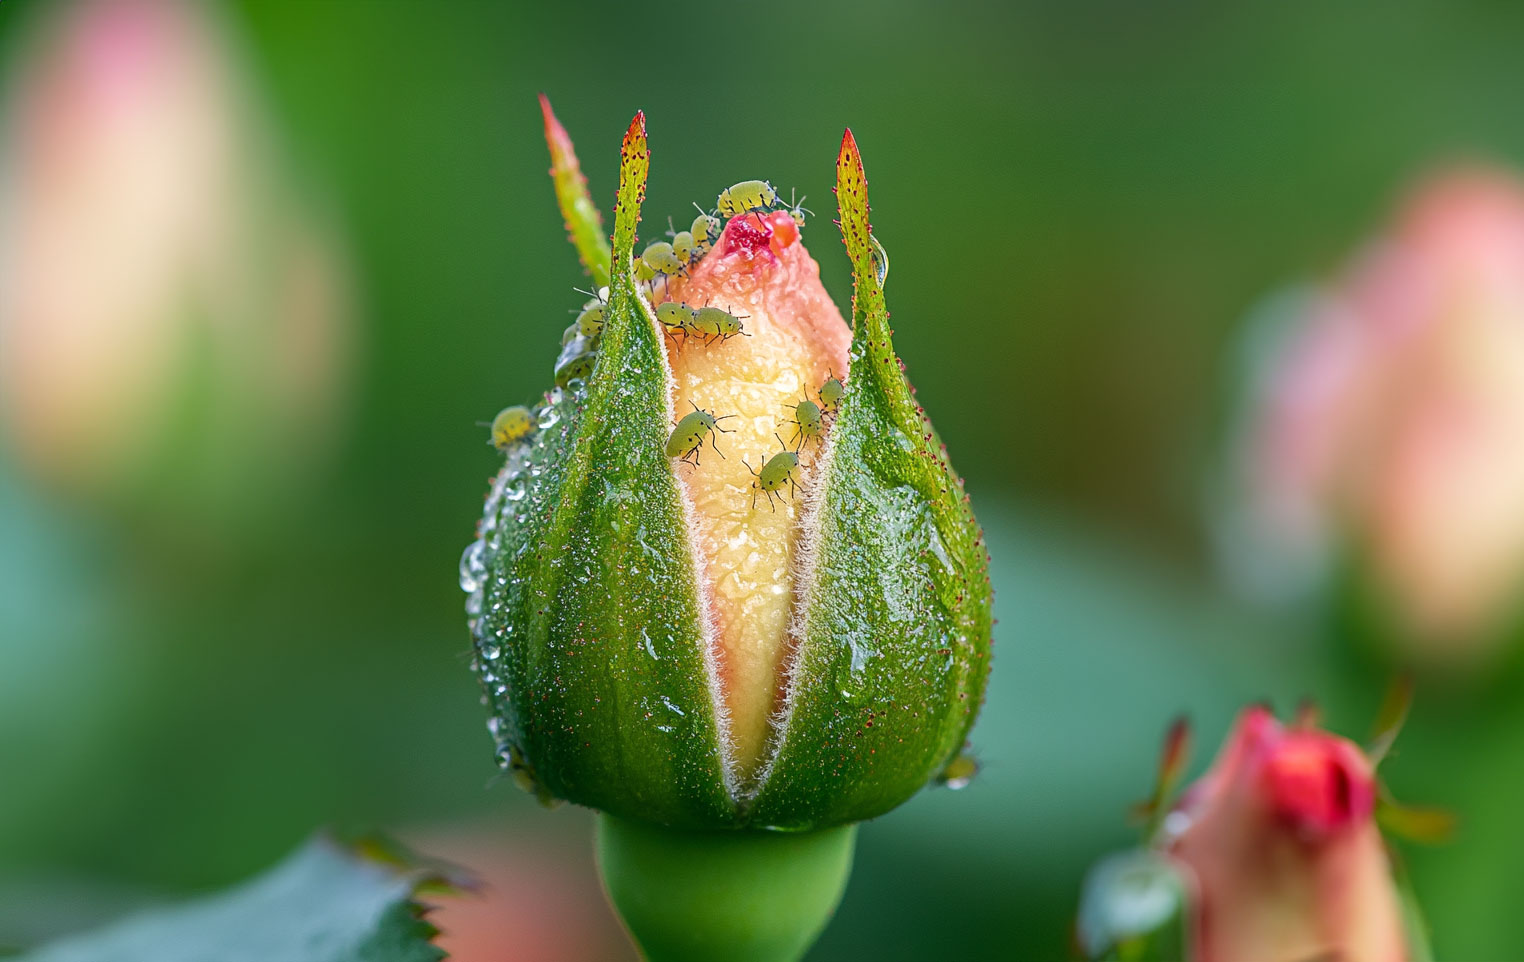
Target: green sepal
599 689
584 223
894 634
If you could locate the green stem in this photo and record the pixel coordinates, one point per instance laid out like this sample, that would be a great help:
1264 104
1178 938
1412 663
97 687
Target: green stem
740 896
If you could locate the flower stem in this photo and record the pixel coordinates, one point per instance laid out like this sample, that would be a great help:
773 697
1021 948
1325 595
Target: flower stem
741 896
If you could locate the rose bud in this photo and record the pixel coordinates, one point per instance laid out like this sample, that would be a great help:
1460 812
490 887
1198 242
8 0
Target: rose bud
1281 842
173 322
1386 434
727 577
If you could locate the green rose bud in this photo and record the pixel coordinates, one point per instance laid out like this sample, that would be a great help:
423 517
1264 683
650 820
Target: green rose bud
773 615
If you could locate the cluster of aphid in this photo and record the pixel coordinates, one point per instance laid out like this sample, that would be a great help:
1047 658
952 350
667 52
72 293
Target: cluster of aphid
665 259
781 470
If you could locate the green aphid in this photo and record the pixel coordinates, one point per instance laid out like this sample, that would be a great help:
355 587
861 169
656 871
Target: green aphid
782 469
748 195
660 258
797 210
644 273
688 437
676 317
683 246
512 425
808 422
712 323
578 366
830 394
705 230
590 321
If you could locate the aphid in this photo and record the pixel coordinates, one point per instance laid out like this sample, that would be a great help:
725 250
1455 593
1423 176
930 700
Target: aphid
808 423
675 316
690 433
797 210
590 321
714 324
830 394
575 365
512 425
748 195
705 230
659 257
644 273
683 246
781 469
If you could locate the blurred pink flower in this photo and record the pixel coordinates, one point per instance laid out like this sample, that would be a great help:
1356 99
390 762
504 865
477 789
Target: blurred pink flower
1392 413
171 317
538 898
1283 853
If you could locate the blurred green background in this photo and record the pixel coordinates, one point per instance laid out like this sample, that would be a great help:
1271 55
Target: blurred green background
1082 202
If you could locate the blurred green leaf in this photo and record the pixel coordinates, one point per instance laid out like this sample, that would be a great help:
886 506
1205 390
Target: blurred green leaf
325 903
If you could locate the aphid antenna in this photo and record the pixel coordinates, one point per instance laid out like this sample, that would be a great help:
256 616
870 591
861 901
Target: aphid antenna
596 297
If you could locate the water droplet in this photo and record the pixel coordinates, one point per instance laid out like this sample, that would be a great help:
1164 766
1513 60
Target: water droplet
671 707
473 566
548 417
474 603
959 772
491 652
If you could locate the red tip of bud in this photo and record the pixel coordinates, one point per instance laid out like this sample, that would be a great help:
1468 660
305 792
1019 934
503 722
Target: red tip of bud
849 152
753 233
555 134
1318 784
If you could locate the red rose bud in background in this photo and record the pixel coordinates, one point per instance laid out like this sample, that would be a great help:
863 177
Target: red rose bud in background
173 325
1386 431
1275 854
1281 845
726 577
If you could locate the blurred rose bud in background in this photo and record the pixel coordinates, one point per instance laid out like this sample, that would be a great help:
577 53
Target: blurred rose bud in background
1384 437
174 335
1274 855
1281 846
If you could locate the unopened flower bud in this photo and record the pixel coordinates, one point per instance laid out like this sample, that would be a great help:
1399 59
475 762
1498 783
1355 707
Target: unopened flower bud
173 317
1387 435
1282 848
711 589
